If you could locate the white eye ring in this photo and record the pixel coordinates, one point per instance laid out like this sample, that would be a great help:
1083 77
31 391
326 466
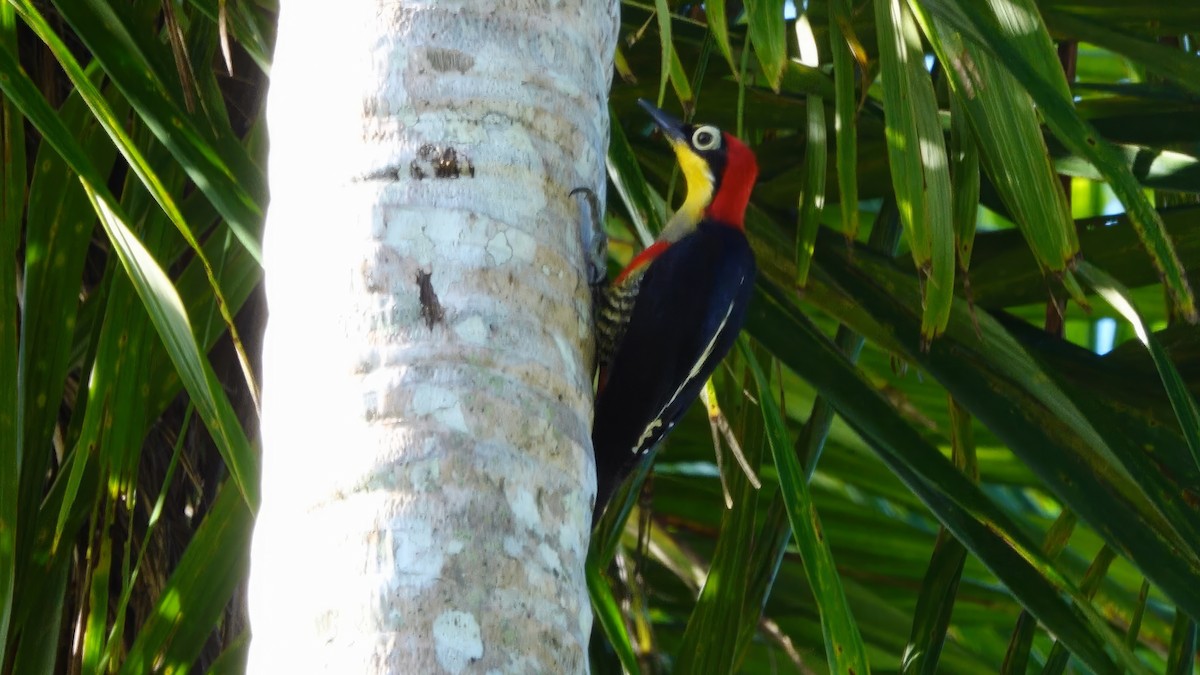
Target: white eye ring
706 138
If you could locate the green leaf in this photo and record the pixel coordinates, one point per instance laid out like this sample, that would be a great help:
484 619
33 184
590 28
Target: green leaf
1016 659
37 651
1173 63
958 504
195 595
1153 168
608 614
843 644
1052 431
812 194
115 643
232 661
99 567
1164 17
680 82
964 183
846 114
1003 273
244 27
917 155
221 170
935 603
170 319
931 618
801 79
155 289
137 162
1181 658
44 568
1182 401
1009 137
1139 612
714 11
1056 663
606 536
663 13
59 220
12 207
723 622
1079 136
767 555
765 18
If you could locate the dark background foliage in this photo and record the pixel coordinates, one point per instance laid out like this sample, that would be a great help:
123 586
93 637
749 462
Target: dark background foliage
993 473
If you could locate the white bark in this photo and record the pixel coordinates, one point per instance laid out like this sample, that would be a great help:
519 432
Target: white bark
427 477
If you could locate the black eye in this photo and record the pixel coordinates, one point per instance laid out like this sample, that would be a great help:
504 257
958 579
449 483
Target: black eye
706 138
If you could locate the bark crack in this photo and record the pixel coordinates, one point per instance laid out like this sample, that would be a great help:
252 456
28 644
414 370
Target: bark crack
431 308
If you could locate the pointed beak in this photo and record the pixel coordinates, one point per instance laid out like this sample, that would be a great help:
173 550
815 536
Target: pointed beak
672 127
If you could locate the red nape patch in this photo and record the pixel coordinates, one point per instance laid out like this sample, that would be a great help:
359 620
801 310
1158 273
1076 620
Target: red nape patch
642 259
741 170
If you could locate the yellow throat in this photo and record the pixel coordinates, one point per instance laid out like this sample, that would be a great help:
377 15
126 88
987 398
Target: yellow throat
699 181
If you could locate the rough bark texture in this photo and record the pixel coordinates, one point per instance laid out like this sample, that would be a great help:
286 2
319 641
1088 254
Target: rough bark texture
427 389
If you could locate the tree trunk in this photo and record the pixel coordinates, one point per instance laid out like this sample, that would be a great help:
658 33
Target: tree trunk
427 476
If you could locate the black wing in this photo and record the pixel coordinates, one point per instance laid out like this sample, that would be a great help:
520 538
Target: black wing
689 309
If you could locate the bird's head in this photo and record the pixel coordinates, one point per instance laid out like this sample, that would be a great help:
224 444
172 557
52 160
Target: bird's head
719 169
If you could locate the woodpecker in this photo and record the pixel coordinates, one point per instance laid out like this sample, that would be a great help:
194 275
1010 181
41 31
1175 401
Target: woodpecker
673 313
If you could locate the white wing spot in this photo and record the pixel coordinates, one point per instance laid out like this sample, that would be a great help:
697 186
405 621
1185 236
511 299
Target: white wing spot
648 433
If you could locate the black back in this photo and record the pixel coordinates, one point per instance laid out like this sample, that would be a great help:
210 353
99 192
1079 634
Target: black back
692 298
